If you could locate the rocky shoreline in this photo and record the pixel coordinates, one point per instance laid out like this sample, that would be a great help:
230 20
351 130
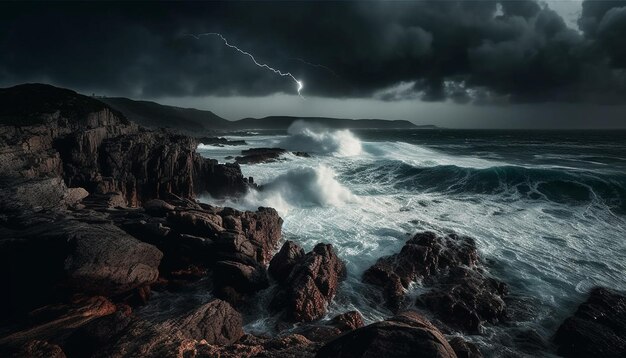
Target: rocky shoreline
98 217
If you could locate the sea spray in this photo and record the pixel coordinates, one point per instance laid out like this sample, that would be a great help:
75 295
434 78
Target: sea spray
313 138
301 187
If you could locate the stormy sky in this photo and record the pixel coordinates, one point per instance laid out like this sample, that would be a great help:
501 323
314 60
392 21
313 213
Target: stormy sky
453 63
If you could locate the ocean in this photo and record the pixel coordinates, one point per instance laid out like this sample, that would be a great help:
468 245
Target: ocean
547 209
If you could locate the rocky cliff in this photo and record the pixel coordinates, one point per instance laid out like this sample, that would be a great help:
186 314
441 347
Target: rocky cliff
50 132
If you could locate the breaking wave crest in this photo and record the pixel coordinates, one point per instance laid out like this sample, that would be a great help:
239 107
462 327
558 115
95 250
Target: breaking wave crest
312 138
301 187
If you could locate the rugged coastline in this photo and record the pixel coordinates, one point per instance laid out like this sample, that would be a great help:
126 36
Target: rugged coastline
98 214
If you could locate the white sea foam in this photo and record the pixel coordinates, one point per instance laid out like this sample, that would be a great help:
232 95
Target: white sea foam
550 252
313 138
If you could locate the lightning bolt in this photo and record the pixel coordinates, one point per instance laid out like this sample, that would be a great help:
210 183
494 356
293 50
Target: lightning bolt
298 82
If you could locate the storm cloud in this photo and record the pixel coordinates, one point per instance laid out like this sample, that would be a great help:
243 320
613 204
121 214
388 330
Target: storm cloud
466 51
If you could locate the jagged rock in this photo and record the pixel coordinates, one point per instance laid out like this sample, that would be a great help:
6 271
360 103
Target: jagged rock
338 325
229 276
214 323
264 229
220 141
464 349
158 207
283 262
311 285
259 155
348 321
405 335
39 349
424 255
88 339
51 322
462 294
597 329
466 298
89 145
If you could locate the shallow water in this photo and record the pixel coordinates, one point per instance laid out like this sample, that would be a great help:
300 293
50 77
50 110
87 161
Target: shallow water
547 208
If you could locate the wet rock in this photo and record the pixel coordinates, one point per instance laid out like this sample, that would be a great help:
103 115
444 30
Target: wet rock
311 285
284 261
597 329
462 294
466 298
259 155
348 321
264 230
220 141
214 323
464 349
88 339
320 333
39 349
233 280
424 255
405 335
53 321
158 207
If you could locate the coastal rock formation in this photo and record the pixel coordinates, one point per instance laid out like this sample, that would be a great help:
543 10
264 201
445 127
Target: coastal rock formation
597 329
80 256
61 134
405 335
423 256
259 155
311 284
264 155
462 294
284 261
50 322
214 323
348 321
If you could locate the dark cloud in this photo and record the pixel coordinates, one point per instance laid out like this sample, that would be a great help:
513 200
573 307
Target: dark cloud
463 50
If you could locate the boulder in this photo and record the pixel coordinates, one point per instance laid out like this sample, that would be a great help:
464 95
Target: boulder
39 349
284 261
466 298
348 321
214 323
462 294
311 285
464 349
597 329
405 335
259 155
424 255
104 259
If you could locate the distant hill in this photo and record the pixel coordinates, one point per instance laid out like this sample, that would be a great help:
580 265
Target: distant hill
24 104
155 115
283 122
29 103
152 114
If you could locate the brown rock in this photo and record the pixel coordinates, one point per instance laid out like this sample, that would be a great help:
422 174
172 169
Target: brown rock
464 349
424 255
405 335
348 321
597 329
466 298
214 323
284 261
39 349
311 285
